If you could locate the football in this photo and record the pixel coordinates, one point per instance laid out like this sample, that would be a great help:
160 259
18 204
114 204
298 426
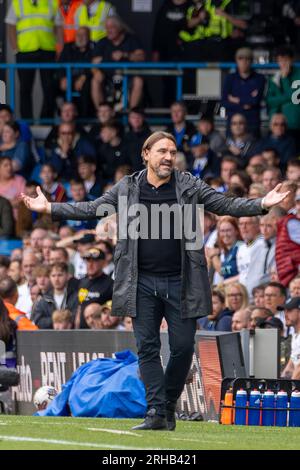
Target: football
43 397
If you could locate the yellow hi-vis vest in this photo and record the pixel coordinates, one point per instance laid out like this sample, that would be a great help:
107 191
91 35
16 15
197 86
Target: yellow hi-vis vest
95 23
35 25
218 26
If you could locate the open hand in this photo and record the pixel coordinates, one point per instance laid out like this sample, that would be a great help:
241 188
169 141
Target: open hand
37 204
274 197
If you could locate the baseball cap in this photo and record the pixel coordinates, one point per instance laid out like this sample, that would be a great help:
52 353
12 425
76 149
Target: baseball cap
86 239
198 139
94 253
293 302
272 322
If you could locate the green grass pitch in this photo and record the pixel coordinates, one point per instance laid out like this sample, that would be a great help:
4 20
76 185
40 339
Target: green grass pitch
27 433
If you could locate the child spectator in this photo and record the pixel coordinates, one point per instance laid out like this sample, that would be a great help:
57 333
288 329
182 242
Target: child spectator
78 194
87 172
62 320
202 161
182 130
55 190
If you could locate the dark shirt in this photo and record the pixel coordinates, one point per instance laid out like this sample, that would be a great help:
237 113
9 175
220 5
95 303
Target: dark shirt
98 290
159 256
222 322
66 167
52 137
183 137
72 54
134 142
110 158
105 48
170 19
284 145
244 89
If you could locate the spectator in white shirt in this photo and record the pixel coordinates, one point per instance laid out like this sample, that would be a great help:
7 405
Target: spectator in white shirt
263 259
29 263
253 243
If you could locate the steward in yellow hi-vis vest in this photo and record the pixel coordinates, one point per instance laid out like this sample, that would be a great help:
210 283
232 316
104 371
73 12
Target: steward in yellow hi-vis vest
211 33
34 29
93 14
211 25
35 24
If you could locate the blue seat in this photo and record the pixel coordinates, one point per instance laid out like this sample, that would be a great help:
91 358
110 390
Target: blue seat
8 245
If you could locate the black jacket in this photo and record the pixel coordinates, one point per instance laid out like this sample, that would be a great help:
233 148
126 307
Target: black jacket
43 310
195 295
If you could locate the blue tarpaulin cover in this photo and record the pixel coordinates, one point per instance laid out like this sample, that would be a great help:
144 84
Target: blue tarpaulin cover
103 388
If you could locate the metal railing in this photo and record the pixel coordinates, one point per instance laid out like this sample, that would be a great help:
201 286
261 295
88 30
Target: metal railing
127 69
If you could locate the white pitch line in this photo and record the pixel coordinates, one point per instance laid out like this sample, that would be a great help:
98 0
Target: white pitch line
114 431
70 443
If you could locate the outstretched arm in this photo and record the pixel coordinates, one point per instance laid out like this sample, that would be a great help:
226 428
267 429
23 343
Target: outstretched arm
71 211
238 207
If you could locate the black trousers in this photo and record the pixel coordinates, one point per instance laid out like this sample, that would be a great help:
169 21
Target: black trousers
26 78
159 297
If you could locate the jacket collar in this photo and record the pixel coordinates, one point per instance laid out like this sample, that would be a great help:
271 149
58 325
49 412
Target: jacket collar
184 181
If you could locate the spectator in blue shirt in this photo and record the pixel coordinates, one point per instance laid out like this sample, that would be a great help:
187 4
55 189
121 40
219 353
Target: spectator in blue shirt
182 130
78 194
19 151
202 162
87 171
220 319
244 90
67 149
7 115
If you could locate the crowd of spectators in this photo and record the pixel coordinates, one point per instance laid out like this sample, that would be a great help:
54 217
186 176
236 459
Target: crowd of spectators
62 277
